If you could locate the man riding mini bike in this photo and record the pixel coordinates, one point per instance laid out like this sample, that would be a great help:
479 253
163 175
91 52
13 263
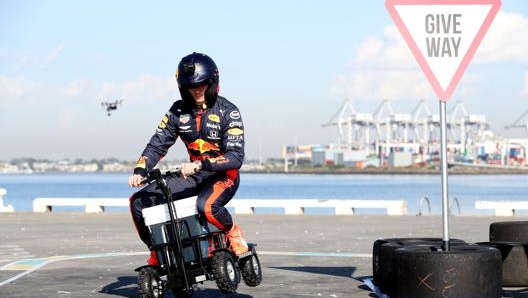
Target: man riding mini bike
211 128
189 250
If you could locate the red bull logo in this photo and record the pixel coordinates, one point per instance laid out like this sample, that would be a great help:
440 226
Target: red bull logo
202 146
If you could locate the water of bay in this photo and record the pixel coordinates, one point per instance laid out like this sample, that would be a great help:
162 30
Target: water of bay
23 188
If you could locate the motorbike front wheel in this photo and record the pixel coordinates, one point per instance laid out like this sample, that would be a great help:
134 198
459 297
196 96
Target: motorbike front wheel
225 271
251 270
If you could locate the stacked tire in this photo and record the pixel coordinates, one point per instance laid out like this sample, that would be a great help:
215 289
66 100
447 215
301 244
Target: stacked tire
511 239
383 269
421 267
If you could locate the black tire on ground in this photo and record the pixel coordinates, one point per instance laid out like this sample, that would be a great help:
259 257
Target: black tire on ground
385 278
376 271
149 283
225 272
465 271
251 270
387 270
514 262
381 266
511 231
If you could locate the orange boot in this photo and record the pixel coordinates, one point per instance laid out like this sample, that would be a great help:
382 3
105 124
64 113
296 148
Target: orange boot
236 241
153 259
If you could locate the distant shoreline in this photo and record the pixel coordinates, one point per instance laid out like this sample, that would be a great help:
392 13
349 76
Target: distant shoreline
398 171
452 170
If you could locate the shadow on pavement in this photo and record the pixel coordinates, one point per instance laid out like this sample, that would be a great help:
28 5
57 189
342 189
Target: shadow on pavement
126 286
365 287
334 271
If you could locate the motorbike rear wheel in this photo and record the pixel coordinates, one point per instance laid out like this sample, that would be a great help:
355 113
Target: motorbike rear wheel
149 283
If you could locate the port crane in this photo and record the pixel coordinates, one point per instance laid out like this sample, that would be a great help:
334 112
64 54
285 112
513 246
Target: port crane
519 123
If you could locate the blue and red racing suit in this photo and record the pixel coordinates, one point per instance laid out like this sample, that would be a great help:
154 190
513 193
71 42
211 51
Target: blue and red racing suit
213 136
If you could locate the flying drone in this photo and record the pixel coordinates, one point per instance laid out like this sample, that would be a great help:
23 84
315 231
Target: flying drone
111 105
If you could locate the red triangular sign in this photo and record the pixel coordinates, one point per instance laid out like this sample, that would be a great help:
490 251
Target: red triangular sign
443 35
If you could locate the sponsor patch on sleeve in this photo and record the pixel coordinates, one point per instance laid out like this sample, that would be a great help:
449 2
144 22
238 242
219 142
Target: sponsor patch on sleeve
235 131
164 121
141 163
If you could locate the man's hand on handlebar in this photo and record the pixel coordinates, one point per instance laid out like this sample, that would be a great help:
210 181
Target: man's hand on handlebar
189 168
136 180
185 170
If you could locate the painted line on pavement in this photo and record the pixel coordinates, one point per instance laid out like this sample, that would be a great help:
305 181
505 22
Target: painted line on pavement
314 254
31 265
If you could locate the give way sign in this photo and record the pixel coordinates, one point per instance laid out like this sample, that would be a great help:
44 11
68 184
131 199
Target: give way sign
443 35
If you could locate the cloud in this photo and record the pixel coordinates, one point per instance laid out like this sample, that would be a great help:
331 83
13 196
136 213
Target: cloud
384 67
22 91
21 61
54 53
389 51
75 89
17 90
505 41
66 117
14 87
146 88
376 85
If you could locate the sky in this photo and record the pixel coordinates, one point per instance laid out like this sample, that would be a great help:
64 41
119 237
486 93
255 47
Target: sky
288 66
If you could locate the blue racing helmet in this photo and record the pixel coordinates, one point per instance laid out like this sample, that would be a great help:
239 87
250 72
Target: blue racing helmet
196 70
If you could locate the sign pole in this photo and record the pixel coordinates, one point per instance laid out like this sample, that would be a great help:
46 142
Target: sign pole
443 169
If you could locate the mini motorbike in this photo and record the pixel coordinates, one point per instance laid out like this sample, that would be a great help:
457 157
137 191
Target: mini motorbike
189 250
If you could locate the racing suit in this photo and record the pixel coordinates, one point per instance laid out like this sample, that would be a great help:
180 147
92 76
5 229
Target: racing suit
212 136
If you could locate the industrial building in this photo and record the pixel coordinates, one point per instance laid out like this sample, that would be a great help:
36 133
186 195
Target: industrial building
385 138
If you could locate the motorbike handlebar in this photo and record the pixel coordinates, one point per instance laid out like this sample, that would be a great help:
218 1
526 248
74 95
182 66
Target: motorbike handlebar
156 175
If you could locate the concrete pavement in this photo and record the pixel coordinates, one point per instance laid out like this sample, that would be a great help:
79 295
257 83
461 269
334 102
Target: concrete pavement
94 255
